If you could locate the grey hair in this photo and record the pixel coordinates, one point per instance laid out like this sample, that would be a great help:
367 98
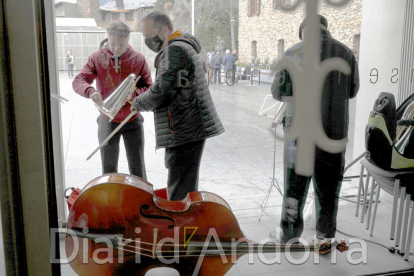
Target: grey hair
161 19
227 51
120 29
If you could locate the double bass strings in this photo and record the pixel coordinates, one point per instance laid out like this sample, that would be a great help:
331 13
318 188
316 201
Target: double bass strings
226 249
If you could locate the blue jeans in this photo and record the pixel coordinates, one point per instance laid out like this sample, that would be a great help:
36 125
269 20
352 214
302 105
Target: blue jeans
70 69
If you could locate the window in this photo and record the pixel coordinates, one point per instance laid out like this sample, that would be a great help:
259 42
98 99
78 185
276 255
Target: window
129 16
254 48
280 48
254 7
280 3
103 17
115 17
357 39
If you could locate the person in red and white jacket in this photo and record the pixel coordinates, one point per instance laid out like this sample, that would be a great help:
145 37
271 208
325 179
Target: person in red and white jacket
110 66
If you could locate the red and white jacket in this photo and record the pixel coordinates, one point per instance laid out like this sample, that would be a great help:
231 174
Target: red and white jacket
101 66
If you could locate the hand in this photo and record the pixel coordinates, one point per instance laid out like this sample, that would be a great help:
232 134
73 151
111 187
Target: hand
128 97
96 97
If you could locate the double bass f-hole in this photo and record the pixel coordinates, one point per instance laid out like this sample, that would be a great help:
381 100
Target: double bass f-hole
146 207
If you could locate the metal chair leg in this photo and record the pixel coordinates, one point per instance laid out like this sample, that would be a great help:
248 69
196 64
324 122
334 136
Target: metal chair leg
365 198
406 212
410 234
361 183
375 210
371 199
400 215
394 207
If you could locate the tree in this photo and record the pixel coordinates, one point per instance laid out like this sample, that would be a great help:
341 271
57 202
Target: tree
212 19
215 21
164 5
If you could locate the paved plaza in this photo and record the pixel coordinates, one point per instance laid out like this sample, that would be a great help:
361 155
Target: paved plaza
238 166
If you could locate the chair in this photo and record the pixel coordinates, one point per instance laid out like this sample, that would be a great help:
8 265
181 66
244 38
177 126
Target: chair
256 74
258 63
396 183
274 63
390 164
247 74
267 65
238 74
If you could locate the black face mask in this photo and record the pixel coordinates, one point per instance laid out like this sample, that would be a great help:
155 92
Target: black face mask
154 43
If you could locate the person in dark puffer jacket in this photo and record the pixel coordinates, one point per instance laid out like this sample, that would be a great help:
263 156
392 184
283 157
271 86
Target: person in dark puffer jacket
183 107
338 88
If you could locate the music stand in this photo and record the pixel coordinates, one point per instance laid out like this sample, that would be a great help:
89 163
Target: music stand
276 121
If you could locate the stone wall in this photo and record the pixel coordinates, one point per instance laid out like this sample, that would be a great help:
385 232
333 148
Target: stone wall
271 25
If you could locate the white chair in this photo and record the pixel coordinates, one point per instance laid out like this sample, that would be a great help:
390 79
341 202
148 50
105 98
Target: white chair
398 183
247 76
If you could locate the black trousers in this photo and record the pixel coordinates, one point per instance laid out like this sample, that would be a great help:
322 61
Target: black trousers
183 164
327 179
217 72
133 136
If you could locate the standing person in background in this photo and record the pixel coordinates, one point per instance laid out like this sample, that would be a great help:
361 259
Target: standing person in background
70 60
110 66
217 62
236 59
228 62
210 66
338 88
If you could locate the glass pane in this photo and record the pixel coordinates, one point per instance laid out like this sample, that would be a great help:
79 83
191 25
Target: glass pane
244 164
2 260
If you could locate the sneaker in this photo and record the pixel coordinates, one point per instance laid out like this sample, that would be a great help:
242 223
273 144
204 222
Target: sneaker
323 245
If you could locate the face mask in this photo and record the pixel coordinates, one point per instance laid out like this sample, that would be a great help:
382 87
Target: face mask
154 43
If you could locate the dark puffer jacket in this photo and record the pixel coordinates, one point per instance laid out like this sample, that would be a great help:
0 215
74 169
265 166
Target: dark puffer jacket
183 107
337 90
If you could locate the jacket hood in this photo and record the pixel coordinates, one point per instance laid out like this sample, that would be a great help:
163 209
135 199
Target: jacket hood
128 54
190 39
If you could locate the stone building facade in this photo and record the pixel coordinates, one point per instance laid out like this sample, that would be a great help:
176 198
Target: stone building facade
269 31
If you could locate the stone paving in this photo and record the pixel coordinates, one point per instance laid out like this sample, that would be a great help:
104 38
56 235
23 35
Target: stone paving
238 166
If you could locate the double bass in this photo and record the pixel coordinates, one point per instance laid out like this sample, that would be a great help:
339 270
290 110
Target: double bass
119 226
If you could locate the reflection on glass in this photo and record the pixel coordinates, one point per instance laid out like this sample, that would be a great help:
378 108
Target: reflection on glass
2 260
237 165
